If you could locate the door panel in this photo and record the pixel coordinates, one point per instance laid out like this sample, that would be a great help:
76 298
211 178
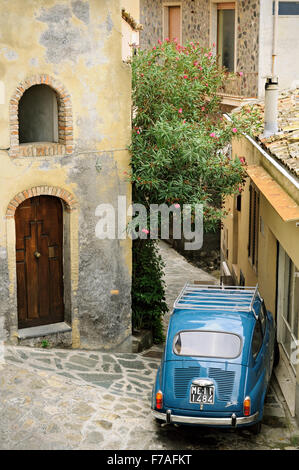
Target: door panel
174 24
39 256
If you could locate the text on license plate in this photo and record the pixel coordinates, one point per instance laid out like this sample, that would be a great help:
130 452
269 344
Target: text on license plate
200 394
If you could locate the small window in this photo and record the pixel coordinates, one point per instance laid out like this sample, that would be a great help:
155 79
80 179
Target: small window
207 344
263 318
38 115
239 202
226 35
257 339
254 202
287 8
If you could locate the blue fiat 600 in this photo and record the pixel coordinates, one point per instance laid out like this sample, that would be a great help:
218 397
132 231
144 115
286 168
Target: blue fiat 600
218 358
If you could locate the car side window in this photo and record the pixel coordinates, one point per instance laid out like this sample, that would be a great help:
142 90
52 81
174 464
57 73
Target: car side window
263 317
257 339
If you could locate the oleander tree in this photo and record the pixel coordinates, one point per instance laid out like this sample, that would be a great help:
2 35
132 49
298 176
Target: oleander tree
179 148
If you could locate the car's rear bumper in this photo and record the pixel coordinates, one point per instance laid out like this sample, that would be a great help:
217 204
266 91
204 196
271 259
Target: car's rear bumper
232 421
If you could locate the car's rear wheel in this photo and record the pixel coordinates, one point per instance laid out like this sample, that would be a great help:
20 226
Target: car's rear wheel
276 353
159 421
256 428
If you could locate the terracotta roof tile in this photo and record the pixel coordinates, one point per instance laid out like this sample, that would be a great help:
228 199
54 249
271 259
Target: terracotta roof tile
284 145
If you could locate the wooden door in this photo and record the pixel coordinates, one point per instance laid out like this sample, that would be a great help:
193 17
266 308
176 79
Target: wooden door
174 22
39 245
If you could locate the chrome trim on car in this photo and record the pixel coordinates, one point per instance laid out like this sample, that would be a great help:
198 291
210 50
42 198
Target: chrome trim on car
230 421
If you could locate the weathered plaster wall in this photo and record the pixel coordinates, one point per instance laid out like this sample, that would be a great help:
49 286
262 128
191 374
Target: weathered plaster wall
78 43
274 228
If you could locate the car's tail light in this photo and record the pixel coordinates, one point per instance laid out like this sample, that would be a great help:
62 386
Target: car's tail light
159 400
246 406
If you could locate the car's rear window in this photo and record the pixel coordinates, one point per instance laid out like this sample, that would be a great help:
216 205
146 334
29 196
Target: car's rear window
207 344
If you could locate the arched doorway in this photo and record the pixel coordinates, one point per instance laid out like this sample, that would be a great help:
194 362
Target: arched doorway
39 261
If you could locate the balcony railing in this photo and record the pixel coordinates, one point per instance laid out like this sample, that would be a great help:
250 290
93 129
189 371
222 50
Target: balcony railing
243 85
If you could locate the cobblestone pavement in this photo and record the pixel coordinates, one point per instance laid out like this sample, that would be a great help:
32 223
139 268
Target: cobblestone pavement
54 399
176 273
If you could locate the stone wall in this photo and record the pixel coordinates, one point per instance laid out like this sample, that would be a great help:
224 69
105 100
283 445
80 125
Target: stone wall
195 21
196 26
248 45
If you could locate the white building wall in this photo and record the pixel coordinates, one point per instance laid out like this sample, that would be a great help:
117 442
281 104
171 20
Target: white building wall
287 47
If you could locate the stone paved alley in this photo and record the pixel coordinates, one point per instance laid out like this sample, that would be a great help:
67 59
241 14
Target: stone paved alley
70 399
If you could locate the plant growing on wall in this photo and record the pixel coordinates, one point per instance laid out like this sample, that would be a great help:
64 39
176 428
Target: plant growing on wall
179 135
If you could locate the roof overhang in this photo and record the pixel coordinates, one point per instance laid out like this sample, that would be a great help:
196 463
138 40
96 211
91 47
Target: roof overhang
283 204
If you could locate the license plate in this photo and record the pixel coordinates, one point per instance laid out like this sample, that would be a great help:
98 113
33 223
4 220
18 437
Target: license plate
202 395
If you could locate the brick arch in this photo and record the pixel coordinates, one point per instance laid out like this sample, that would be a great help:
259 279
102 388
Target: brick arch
66 196
65 120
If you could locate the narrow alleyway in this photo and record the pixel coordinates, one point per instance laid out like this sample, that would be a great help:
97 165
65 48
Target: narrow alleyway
177 272
70 399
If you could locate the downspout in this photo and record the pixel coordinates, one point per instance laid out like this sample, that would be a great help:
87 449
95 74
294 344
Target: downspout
274 39
271 86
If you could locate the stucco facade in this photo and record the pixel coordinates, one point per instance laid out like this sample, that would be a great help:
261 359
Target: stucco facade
260 238
73 47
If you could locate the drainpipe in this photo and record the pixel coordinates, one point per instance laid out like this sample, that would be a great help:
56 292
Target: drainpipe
274 40
271 86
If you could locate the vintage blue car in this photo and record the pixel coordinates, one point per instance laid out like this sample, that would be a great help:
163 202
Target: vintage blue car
218 359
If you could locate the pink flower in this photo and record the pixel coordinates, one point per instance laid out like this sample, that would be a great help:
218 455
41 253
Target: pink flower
175 39
200 68
184 122
203 108
159 41
177 206
241 74
242 160
234 130
206 55
185 76
154 48
138 132
144 230
214 45
195 63
180 111
167 39
213 134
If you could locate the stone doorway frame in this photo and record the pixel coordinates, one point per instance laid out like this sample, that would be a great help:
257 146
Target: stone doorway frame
70 258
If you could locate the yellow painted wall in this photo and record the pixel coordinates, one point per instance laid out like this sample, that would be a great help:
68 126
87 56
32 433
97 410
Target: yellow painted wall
78 44
274 228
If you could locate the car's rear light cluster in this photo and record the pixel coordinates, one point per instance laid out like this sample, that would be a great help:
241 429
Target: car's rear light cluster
246 406
159 400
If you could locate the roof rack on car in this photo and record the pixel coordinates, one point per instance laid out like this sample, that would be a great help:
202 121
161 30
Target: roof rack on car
217 297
